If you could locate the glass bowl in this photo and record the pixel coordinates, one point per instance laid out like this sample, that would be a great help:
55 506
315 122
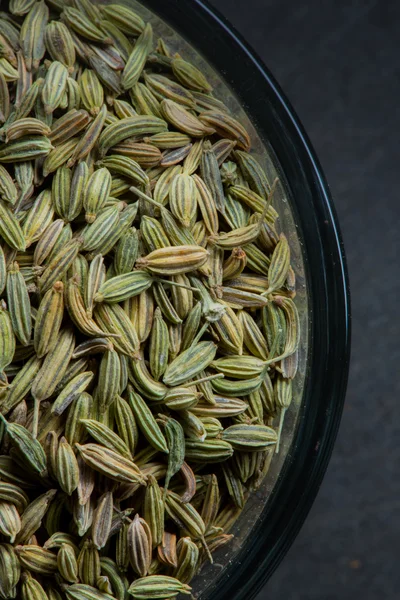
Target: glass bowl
275 513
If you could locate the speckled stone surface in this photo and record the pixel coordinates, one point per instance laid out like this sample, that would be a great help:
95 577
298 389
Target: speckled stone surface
338 62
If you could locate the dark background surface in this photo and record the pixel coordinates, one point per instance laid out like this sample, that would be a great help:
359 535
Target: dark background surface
339 64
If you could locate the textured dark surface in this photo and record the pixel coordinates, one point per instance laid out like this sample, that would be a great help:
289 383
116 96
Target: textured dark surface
338 63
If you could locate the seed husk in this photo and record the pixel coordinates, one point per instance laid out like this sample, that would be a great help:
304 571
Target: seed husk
146 422
59 264
37 559
31 518
250 437
59 44
110 463
190 76
30 450
10 229
54 366
13 494
124 18
86 143
166 88
129 127
183 120
106 436
54 86
174 260
10 523
137 59
32 34
19 304
158 587
122 287
67 565
91 92
102 520
83 25
139 546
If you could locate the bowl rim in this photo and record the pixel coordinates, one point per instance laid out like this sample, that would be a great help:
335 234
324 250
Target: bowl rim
328 288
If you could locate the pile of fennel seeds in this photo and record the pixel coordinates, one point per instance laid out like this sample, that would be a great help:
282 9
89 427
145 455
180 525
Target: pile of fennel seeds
148 334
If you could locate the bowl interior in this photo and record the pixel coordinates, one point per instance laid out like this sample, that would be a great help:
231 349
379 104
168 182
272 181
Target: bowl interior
248 522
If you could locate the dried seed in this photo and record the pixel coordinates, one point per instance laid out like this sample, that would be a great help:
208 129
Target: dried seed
60 155
91 92
175 438
174 260
10 229
58 266
158 587
139 546
227 127
32 35
13 494
229 331
67 565
182 119
59 44
153 507
89 564
4 99
254 201
187 558
182 199
118 582
96 193
250 437
124 18
78 313
106 437
7 337
122 287
19 304
89 139
209 450
54 86
137 59
8 191
10 523
146 422
111 463
279 267
74 388
102 520
212 178
189 363
254 173
115 321
126 252
54 366
95 278
165 88
30 450
166 551
132 126
190 76
83 25
32 517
